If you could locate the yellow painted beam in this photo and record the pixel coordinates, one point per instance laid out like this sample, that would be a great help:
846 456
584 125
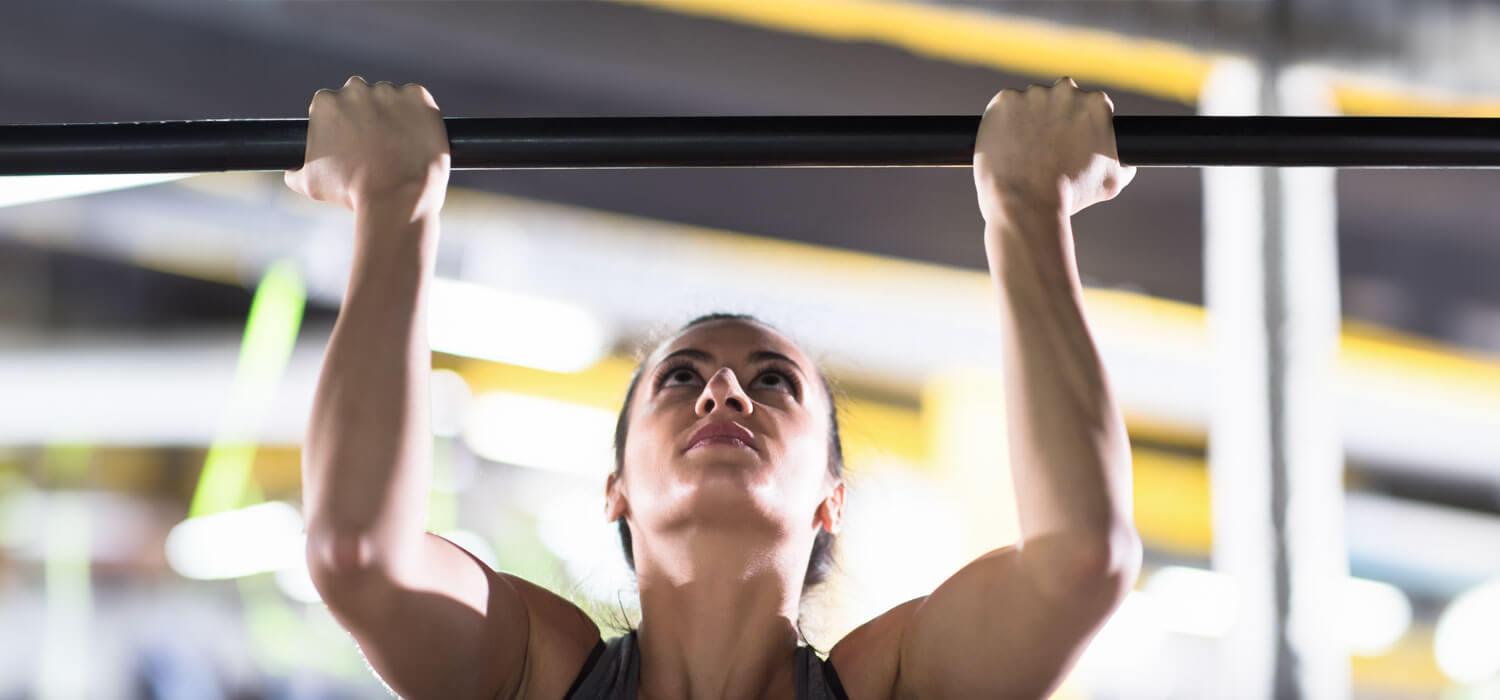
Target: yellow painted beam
974 37
1045 50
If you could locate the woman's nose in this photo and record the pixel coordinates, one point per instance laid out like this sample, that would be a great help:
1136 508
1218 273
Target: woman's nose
723 390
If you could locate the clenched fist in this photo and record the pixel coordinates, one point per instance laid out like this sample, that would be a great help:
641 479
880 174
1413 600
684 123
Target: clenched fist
378 144
1051 147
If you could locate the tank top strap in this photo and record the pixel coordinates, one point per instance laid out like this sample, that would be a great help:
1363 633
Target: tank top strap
612 672
815 677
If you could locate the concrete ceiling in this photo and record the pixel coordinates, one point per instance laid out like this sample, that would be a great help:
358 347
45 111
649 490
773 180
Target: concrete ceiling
1417 248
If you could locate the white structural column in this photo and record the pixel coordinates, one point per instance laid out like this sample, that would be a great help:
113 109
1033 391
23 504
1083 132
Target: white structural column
1275 455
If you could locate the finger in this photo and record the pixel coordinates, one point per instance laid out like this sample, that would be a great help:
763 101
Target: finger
385 83
1065 79
355 79
426 96
323 95
1127 173
1107 102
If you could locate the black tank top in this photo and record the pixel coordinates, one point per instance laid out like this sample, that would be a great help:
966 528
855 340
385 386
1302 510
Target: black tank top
613 672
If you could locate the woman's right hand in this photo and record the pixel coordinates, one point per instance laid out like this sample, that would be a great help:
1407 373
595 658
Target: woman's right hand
375 144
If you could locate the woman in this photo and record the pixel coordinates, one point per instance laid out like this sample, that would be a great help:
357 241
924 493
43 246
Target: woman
726 474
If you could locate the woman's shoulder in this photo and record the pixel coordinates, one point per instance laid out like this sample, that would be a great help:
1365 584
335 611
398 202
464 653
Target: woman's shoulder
562 638
868 658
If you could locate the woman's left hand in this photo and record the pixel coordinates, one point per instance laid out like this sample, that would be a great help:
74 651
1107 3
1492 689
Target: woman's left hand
1049 147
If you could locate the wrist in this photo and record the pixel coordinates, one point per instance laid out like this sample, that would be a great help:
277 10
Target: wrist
1008 204
406 203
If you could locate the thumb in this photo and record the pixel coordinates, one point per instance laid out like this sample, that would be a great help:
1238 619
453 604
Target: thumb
293 179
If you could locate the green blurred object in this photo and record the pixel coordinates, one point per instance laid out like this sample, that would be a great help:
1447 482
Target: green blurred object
270 333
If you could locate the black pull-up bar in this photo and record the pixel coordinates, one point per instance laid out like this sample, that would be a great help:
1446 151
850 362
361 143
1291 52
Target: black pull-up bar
694 142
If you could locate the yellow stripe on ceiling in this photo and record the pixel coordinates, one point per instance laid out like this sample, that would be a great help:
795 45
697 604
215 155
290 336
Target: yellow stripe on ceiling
1045 50
1012 44
1363 99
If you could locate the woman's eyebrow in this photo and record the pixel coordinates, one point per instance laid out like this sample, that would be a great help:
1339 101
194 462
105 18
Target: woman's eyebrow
758 356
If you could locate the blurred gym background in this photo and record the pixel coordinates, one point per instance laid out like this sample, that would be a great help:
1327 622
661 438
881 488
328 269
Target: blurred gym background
160 338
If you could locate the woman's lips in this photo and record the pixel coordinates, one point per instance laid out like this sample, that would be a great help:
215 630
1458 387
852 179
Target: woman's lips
720 440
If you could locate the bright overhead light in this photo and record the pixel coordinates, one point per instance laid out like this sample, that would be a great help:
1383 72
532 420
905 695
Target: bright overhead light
531 431
230 544
474 320
1467 639
26 189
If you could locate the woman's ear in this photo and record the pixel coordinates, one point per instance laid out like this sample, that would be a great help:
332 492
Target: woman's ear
831 510
614 498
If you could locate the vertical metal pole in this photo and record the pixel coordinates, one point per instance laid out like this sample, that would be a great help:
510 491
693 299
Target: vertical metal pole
1239 445
1271 287
1303 283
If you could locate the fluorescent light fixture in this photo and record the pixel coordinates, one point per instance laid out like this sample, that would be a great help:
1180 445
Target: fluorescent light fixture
474 320
25 189
230 544
540 433
1467 639
1203 603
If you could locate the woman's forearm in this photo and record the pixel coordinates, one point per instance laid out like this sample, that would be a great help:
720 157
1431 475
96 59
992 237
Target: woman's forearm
366 464
1070 454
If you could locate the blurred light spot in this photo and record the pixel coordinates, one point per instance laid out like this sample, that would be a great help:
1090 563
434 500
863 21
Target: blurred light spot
589 547
474 320
1467 639
1204 603
450 401
1127 655
296 582
1192 601
260 538
1376 615
900 538
540 433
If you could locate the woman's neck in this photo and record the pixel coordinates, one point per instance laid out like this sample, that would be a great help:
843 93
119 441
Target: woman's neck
717 626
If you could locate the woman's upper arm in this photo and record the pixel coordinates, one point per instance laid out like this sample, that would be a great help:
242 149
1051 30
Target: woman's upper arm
991 631
448 626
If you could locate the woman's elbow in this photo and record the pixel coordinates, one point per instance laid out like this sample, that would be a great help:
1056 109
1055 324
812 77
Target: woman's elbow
1110 566
1098 568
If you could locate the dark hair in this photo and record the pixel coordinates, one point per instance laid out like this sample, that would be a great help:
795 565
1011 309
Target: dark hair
821 561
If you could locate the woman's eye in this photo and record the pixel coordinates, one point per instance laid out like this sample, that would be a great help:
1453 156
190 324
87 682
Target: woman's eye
775 380
680 374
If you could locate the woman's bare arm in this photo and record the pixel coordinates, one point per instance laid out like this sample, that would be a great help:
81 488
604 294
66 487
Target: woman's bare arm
431 619
1011 623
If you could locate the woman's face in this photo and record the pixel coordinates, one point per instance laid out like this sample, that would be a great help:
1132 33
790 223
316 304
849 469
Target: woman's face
728 373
